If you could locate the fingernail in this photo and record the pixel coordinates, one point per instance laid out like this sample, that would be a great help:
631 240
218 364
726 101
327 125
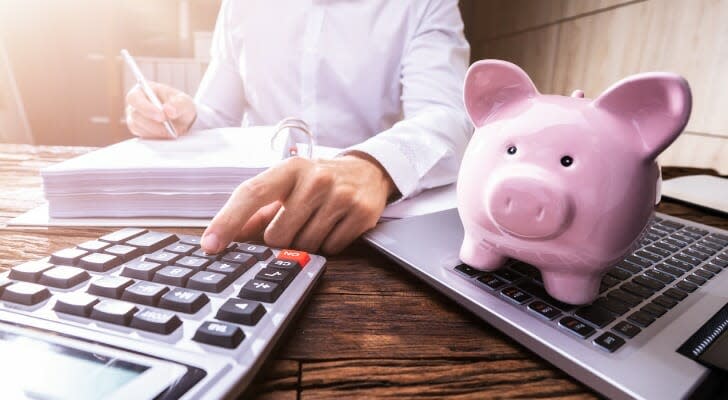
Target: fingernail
210 242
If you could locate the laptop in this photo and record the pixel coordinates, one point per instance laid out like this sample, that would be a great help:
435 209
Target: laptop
657 330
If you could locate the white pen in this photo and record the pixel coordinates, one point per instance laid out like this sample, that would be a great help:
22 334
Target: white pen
146 89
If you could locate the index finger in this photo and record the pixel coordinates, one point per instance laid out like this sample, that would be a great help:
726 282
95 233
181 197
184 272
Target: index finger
273 184
139 101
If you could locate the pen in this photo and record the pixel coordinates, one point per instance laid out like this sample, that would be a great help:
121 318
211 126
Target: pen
146 89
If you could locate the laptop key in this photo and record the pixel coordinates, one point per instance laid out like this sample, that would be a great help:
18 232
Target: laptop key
648 256
658 251
239 311
660 276
64 277
183 300
638 261
695 254
596 315
152 241
122 235
576 327
692 278
708 250
641 318
676 272
157 321
113 311
616 307
626 329
507 275
692 261
219 334
491 281
667 246
665 301
676 294
624 297
76 303
67 256
650 283
609 342
30 271
629 267
670 224
679 264
28 294
619 273
654 309
610 281
515 295
712 268
637 290
703 273
686 286
543 309
464 269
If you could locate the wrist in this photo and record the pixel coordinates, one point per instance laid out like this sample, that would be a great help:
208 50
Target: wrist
385 180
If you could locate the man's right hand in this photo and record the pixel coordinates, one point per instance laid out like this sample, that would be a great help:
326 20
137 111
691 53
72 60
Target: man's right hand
146 121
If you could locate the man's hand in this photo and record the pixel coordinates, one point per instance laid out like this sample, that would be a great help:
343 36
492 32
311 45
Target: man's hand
304 204
146 121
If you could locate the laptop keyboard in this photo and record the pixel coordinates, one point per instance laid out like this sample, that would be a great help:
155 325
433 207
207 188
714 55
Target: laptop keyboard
672 261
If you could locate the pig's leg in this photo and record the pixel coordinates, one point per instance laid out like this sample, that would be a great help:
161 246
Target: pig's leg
473 253
572 288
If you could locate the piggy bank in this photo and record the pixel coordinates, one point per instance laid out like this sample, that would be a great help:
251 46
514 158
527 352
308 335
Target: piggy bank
566 184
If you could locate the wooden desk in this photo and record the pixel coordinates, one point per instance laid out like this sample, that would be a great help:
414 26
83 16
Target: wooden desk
370 330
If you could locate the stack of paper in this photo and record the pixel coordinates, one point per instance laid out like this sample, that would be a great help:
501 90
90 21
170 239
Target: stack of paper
189 177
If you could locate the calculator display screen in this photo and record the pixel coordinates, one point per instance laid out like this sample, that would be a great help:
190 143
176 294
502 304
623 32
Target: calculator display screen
36 369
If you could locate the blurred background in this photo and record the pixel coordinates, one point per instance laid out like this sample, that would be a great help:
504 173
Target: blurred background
62 82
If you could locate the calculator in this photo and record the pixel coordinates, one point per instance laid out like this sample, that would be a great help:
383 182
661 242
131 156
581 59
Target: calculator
139 314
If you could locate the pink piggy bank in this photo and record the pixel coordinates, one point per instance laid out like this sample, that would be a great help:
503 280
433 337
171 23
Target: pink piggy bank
566 184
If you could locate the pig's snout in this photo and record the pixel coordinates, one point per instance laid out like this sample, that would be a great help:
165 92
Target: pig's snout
529 208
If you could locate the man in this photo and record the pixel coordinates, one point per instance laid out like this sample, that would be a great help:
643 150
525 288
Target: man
380 78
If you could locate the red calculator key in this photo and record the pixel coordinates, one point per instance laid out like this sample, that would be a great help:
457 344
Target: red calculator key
301 257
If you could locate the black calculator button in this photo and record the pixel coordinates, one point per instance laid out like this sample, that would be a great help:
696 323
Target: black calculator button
289 265
260 252
173 275
626 329
180 248
183 300
277 275
157 321
162 257
124 252
195 263
110 286
93 245
202 254
232 270
29 271
219 334
25 293
64 277
123 235
113 311
191 240
77 303
240 258
239 311
609 342
544 309
208 281
576 327
261 291
152 241
99 262
140 269
146 293
4 282
67 256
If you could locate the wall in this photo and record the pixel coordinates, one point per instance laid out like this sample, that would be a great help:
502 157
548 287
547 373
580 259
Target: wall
590 44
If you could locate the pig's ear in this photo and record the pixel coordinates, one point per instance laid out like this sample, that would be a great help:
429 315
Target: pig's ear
656 104
493 84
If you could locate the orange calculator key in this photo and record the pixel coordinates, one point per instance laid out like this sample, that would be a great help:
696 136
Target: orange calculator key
301 257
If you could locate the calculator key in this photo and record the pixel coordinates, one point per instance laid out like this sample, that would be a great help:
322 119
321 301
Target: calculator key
140 269
515 295
641 318
240 258
665 301
4 282
29 271
146 293
113 311
239 311
110 286
232 270
202 254
277 275
152 241
261 291
294 267
576 327
183 300
189 239
180 248
260 252
626 329
99 262
609 342
64 277
301 257
76 303
173 275
544 309
25 293
162 257
67 256
596 315
219 334
93 245
122 235
162 322
195 263
124 252
208 281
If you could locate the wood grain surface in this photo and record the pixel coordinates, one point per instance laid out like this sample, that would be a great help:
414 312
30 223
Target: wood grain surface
371 330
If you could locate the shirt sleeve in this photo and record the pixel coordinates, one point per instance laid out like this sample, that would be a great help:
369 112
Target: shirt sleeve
220 98
425 148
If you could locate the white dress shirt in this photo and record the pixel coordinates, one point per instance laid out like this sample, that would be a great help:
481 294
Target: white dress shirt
383 77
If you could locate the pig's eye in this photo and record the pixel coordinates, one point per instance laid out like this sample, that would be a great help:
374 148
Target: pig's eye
512 150
567 161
